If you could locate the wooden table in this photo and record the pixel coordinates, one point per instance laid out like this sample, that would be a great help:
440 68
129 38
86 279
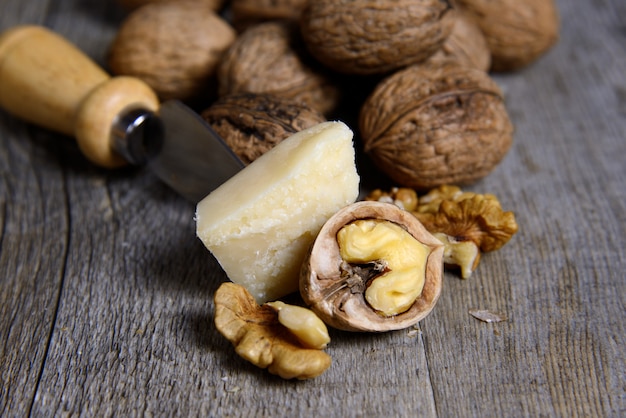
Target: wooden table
106 293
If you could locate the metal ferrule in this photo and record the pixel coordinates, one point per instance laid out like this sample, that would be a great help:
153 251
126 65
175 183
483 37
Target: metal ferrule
137 135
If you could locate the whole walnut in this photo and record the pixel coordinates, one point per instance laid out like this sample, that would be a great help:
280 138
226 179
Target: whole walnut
375 36
248 12
134 4
429 126
251 124
173 46
270 58
466 45
517 32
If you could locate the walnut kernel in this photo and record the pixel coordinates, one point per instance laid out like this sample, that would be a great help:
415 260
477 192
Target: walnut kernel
467 223
470 217
363 279
307 327
260 338
402 197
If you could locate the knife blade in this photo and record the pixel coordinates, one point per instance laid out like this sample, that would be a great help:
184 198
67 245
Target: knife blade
46 80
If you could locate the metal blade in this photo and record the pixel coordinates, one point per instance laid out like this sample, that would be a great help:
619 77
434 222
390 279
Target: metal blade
192 158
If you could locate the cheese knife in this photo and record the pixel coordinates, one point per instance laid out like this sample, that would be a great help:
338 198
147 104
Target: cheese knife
46 80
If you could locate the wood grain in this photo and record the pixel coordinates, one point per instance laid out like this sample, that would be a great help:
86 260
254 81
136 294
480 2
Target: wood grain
106 294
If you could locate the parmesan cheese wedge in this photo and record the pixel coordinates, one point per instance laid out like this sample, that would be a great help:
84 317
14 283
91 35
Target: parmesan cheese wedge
260 223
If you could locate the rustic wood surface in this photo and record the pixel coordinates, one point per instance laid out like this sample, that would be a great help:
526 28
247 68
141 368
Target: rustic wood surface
106 294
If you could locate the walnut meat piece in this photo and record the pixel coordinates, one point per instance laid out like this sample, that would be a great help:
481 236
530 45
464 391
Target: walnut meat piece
307 327
402 197
474 217
426 126
173 46
430 202
374 37
517 32
467 223
270 58
260 338
251 124
373 267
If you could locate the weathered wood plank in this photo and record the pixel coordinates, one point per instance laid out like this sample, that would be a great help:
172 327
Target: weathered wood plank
105 293
559 354
33 244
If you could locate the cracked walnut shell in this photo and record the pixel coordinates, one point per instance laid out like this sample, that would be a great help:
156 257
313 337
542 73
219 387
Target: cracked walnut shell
373 267
374 37
426 126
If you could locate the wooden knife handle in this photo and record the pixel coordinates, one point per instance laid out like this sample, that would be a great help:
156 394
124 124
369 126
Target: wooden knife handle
46 80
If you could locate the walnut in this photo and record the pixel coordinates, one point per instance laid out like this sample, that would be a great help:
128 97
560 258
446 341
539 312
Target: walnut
246 13
260 337
426 126
270 58
252 124
134 4
173 46
374 37
467 223
517 32
466 45
373 267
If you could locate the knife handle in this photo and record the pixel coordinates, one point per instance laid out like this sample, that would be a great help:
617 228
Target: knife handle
46 80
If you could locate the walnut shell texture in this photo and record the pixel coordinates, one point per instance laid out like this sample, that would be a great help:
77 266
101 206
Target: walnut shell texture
270 58
334 297
517 32
465 46
246 13
374 36
173 46
134 4
252 124
429 126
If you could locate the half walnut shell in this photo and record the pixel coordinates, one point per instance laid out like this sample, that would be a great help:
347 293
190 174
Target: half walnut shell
336 290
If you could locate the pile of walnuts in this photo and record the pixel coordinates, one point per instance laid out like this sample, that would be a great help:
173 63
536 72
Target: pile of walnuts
411 76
